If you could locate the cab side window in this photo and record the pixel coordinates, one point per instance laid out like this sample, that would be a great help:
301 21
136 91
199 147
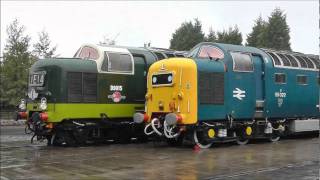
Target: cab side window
302 79
242 62
280 78
116 62
88 53
211 52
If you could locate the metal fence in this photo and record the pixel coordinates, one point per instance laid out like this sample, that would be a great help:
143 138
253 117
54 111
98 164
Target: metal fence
7 114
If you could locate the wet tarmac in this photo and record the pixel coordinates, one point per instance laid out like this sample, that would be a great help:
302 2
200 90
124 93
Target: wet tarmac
291 158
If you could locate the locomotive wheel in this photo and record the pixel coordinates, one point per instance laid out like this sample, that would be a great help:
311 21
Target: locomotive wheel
240 139
49 143
63 138
199 140
142 138
178 141
29 128
57 139
69 139
81 135
123 137
274 137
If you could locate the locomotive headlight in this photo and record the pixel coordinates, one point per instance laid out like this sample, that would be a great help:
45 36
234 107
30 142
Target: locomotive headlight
43 103
22 105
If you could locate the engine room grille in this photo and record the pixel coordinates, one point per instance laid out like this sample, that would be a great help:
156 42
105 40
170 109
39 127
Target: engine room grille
211 88
89 87
74 87
82 87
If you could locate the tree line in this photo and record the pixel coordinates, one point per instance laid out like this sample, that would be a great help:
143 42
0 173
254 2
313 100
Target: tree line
16 61
18 58
273 33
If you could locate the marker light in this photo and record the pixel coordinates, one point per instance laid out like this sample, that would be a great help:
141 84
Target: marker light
23 115
22 105
44 116
43 104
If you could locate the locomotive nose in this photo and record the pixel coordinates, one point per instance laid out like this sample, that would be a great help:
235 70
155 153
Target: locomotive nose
172 91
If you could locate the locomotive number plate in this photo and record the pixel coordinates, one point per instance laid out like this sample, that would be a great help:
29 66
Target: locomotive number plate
37 78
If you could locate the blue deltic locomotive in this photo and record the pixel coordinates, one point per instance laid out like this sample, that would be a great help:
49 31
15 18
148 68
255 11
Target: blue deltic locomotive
229 92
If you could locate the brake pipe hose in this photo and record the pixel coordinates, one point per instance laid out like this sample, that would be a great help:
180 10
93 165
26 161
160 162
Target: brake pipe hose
154 126
168 131
146 130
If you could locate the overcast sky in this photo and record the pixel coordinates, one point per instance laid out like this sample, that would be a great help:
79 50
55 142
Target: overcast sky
73 23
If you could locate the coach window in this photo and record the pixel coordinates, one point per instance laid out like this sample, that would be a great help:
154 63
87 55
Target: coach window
280 78
116 62
242 62
302 79
89 53
211 52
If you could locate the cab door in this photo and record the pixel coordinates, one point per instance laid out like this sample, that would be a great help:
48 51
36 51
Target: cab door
259 85
259 76
139 82
241 86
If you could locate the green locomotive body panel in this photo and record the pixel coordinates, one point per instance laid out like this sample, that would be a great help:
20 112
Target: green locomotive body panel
80 88
58 112
56 76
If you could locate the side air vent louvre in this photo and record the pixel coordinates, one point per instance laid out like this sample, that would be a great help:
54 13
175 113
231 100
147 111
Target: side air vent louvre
89 87
211 88
74 86
82 87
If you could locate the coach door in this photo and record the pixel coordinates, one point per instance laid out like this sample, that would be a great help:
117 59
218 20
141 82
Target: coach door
259 84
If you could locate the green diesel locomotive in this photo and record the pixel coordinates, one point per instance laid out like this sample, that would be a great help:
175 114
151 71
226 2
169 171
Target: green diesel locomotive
89 97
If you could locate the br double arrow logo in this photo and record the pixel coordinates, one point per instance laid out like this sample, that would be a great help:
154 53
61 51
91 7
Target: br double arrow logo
239 94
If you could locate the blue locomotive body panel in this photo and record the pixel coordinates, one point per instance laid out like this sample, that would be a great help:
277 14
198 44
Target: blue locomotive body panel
291 99
274 91
206 110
